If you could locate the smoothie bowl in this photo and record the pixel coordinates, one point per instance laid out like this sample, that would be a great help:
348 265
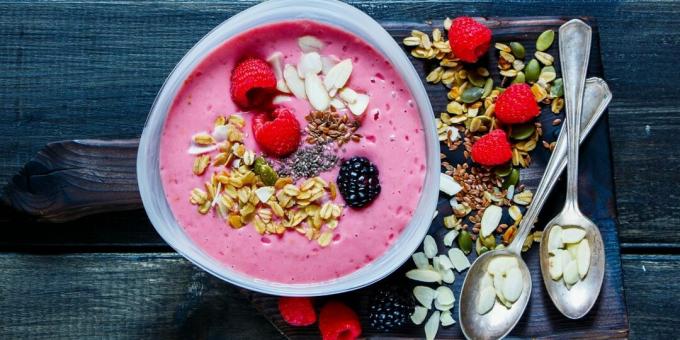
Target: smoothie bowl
292 151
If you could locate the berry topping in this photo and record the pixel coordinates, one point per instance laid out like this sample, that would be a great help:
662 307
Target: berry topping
492 149
278 137
297 311
358 181
390 308
468 39
253 83
516 104
337 321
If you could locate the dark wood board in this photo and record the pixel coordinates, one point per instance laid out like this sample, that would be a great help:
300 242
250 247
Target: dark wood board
78 174
164 296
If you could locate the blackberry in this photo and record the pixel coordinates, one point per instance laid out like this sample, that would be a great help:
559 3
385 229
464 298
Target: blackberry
358 181
389 308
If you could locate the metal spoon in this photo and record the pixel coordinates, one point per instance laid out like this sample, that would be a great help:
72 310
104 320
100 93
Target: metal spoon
500 321
576 302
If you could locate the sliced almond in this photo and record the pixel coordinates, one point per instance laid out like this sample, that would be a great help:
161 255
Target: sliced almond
281 99
424 275
359 106
555 267
309 43
571 273
500 264
446 319
442 307
487 280
445 262
276 60
432 326
583 258
316 93
337 76
572 250
420 260
450 237
220 133
424 295
555 238
294 82
513 285
264 193
430 247
498 281
486 300
490 219
310 63
327 63
573 235
348 95
419 315
448 185
514 211
445 295
337 103
458 259
195 149
447 276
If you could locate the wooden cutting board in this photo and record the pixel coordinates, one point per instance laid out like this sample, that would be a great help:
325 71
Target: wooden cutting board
70 179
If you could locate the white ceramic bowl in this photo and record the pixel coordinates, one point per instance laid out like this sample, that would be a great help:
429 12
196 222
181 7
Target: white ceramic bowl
325 11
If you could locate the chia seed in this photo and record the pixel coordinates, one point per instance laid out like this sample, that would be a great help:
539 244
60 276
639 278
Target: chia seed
308 161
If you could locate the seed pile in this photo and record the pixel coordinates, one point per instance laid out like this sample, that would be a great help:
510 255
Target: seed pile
308 161
330 126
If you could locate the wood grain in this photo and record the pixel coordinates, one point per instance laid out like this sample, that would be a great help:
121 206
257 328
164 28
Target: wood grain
160 295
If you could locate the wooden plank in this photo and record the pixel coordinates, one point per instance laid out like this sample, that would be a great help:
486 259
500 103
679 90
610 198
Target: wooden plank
160 295
134 296
91 70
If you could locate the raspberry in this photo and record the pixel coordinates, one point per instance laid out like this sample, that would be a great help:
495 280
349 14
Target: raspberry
516 105
297 311
492 149
337 321
469 39
253 83
358 181
278 137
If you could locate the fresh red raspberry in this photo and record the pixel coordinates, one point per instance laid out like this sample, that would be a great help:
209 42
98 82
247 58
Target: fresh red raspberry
469 39
297 311
492 149
338 322
516 105
278 137
253 83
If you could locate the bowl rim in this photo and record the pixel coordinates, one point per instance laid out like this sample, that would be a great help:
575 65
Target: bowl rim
330 12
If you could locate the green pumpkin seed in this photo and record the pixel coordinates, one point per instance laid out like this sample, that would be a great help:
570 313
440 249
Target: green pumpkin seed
520 78
471 95
545 40
557 89
548 74
521 132
475 79
503 170
465 242
500 247
267 174
482 250
489 241
532 71
482 71
545 58
512 179
488 87
517 50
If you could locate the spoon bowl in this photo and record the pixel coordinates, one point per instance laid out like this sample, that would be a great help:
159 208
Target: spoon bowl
574 303
498 322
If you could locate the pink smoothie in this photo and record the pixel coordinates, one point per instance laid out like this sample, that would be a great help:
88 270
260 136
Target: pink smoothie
393 140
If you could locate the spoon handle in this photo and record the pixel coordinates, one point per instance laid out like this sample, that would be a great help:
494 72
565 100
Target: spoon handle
596 97
574 40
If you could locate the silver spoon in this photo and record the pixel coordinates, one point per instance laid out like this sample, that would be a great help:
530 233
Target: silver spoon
500 321
576 302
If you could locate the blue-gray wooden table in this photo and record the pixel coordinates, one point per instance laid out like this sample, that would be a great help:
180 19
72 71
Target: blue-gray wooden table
89 69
